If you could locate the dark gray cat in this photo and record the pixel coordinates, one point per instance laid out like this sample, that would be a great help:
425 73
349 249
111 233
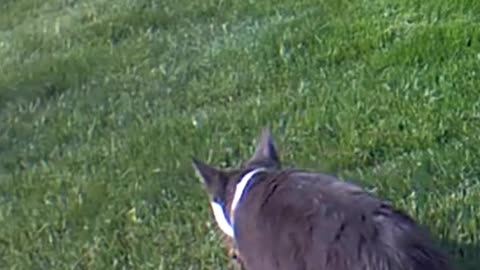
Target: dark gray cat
292 219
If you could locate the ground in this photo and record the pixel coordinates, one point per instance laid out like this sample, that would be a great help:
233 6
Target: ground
102 104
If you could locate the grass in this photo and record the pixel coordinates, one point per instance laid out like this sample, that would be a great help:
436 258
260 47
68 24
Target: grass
102 103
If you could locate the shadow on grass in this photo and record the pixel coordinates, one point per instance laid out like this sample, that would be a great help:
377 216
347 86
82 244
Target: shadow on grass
464 256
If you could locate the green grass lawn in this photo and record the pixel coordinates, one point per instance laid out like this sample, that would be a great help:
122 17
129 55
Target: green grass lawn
102 103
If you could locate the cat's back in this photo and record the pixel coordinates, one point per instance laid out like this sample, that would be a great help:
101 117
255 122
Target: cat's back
305 220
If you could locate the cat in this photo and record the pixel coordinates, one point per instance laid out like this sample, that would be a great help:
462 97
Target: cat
295 219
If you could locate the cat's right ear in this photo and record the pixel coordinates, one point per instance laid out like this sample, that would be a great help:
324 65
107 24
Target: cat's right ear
266 150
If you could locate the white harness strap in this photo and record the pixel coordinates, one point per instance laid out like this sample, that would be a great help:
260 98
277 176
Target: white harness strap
221 219
240 190
223 222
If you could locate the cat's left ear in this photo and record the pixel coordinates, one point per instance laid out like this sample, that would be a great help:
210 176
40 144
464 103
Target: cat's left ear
212 178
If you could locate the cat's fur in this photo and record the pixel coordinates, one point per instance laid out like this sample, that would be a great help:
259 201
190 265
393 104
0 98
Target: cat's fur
293 219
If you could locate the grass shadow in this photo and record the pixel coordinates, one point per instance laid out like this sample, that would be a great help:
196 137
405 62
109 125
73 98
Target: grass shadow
464 256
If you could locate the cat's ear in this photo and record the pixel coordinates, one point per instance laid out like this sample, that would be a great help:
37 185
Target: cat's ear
266 150
211 177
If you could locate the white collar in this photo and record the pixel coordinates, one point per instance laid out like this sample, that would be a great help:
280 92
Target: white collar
221 219
240 190
223 222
